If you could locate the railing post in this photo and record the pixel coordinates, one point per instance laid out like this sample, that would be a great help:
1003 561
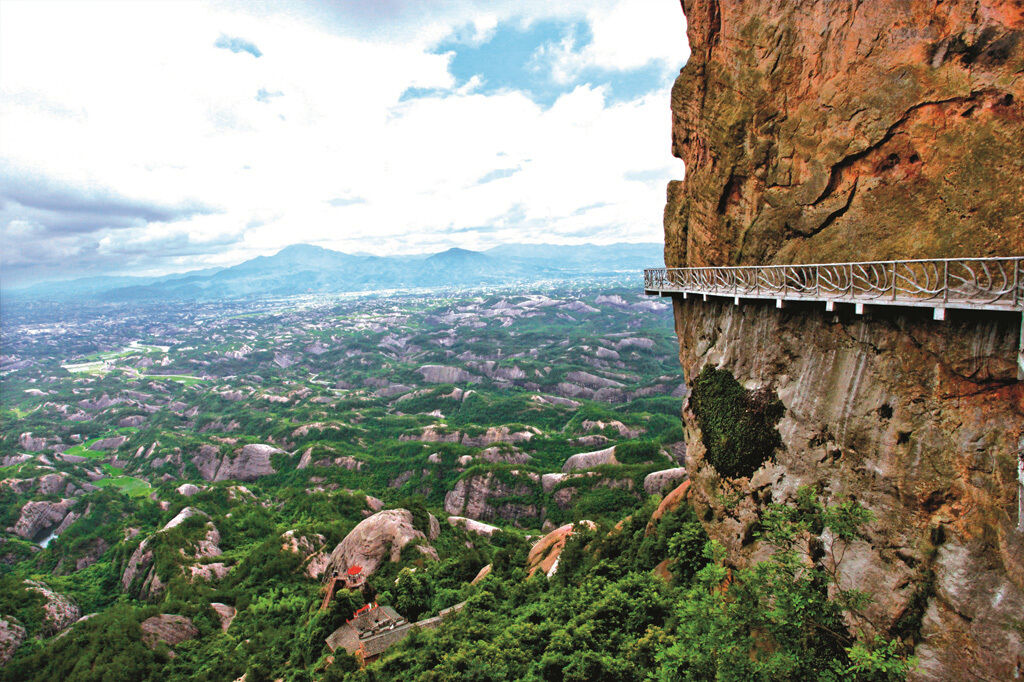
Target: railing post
817 281
1016 281
945 281
894 280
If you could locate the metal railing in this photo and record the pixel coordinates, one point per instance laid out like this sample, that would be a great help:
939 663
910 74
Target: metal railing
973 283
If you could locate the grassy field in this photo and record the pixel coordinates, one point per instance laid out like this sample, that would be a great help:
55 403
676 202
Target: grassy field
82 450
20 413
185 379
85 367
129 485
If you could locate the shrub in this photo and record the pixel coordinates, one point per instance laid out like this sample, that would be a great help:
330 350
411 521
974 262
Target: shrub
637 452
738 425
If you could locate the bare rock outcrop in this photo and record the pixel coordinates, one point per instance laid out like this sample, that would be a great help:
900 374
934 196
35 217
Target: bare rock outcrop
499 434
112 443
495 495
556 400
592 381
492 435
53 484
544 554
589 460
39 518
379 538
167 628
481 574
207 461
139 563
140 575
624 431
635 342
31 444
442 374
308 547
101 403
61 612
866 131
225 613
565 487
473 525
658 481
91 553
251 462
504 455
12 634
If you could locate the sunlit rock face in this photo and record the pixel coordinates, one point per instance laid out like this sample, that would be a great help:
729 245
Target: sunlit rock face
816 132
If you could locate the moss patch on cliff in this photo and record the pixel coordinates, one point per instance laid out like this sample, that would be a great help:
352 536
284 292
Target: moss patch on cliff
737 425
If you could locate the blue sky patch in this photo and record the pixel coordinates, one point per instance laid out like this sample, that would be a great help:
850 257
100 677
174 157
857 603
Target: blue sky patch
236 45
346 201
497 174
517 57
264 95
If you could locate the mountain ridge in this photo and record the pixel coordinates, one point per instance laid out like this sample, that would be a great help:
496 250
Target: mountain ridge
307 268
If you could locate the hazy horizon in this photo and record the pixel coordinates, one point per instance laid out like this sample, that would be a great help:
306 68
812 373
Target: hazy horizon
29 284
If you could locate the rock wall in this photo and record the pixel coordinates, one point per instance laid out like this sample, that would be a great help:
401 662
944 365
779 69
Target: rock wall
827 131
817 131
492 495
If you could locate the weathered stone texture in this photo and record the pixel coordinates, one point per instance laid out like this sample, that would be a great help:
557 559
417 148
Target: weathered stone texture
816 131
490 495
381 538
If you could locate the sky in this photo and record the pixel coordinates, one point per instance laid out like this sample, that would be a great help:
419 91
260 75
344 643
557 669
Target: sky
152 137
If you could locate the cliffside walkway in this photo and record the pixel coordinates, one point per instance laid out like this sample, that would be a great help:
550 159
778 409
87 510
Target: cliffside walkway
940 284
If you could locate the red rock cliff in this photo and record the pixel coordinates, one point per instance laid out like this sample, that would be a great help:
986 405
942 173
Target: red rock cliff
817 131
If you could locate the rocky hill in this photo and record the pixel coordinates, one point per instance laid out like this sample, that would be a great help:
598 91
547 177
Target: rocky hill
820 132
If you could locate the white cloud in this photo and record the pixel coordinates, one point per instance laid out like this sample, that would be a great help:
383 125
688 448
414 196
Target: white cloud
135 99
625 35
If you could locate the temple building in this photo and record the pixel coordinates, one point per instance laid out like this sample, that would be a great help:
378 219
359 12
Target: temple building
374 628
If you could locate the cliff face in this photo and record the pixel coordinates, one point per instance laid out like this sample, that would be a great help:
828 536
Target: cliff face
828 131
817 131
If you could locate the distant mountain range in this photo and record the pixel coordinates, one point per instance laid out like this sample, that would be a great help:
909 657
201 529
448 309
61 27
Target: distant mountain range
305 269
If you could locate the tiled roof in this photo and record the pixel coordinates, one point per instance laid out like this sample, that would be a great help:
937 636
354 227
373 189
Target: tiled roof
345 637
379 643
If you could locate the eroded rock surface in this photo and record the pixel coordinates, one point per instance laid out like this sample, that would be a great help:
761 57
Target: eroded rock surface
140 575
167 628
816 132
484 496
545 553
225 613
12 634
379 538
473 525
38 518
250 463
61 612
441 374
589 460
658 481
